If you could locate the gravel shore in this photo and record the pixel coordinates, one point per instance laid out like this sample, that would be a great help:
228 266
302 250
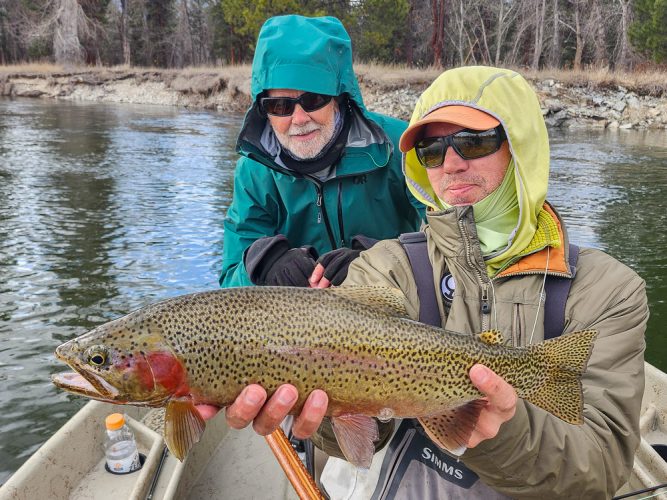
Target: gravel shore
563 105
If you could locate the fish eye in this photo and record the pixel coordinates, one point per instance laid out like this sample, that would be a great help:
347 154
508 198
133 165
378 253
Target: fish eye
97 356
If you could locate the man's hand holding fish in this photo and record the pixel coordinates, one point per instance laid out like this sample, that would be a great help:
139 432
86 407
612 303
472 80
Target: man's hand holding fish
250 407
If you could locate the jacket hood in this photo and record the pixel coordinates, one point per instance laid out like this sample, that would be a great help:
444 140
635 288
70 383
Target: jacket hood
508 97
313 54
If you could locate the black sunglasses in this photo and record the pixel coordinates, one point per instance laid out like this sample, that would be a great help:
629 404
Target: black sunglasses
284 106
468 144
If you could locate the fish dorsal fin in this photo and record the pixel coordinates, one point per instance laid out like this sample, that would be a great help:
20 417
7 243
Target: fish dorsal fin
183 426
388 300
356 436
452 429
492 337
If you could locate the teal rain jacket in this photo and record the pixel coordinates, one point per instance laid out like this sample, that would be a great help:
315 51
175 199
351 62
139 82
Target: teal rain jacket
367 193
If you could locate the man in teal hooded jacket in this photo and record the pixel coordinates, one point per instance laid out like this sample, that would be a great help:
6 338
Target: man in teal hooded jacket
319 175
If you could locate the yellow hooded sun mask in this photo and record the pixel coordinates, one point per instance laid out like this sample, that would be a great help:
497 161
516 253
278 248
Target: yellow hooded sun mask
508 99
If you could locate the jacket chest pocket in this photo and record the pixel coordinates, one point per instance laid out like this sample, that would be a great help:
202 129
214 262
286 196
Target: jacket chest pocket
518 325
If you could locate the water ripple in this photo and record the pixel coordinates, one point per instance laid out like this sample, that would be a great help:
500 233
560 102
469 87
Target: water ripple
106 208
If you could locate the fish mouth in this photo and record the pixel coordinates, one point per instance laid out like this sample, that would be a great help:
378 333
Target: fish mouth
84 383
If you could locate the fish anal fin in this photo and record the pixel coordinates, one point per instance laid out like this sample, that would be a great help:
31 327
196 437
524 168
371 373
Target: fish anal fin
356 436
452 429
492 337
183 427
391 301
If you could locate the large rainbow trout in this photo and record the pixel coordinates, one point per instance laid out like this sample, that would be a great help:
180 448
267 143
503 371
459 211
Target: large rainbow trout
355 343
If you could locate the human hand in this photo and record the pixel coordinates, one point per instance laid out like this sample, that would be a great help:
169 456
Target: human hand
207 412
331 268
252 406
501 404
271 261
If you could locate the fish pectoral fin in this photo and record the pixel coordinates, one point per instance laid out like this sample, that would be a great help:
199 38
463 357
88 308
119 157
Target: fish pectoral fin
183 426
391 301
356 436
452 429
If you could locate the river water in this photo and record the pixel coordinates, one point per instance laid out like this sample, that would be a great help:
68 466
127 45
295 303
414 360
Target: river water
106 208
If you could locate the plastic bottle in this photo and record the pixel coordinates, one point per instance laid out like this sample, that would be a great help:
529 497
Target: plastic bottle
120 447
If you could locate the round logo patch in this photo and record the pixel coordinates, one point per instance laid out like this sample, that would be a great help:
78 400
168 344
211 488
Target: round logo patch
447 287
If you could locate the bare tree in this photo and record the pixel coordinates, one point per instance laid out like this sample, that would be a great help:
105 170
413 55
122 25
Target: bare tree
540 14
409 34
460 31
483 44
596 30
66 20
199 29
125 31
556 49
579 34
522 28
437 39
184 44
622 59
507 13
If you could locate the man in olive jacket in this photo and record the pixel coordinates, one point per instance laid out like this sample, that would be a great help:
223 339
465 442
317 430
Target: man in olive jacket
317 169
477 154
492 239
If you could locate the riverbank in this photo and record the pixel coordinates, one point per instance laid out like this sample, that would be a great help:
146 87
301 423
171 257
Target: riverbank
595 99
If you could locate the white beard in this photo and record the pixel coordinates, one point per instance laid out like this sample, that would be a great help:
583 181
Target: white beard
306 150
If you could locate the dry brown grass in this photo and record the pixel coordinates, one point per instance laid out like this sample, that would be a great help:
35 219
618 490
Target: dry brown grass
393 76
645 82
31 68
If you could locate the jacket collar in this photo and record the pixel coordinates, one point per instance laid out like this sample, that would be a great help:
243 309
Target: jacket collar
453 232
366 140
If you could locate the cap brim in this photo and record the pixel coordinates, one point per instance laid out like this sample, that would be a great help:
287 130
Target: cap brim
463 116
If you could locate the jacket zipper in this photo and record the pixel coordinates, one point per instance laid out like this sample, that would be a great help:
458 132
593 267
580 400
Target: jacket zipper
322 214
485 303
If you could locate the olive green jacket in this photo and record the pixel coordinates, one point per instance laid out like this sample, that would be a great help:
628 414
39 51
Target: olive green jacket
536 454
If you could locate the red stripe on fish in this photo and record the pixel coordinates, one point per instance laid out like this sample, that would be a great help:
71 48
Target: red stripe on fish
168 372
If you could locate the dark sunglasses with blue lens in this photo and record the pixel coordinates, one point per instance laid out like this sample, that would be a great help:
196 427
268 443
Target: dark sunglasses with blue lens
468 144
284 106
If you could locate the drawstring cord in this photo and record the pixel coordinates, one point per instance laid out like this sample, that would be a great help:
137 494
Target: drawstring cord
542 298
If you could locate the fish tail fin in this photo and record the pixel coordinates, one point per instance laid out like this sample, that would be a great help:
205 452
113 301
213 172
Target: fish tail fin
565 358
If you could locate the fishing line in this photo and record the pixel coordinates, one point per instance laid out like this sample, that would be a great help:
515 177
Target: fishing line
542 298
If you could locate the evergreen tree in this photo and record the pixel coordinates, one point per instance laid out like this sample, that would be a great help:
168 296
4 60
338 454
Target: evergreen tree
379 30
648 32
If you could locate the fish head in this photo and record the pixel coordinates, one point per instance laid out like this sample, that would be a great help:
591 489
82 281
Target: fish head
121 363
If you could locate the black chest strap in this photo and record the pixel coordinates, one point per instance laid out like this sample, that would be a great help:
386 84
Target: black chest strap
415 247
556 289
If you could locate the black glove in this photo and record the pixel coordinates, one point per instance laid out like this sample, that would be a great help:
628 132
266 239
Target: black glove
271 261
337 261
